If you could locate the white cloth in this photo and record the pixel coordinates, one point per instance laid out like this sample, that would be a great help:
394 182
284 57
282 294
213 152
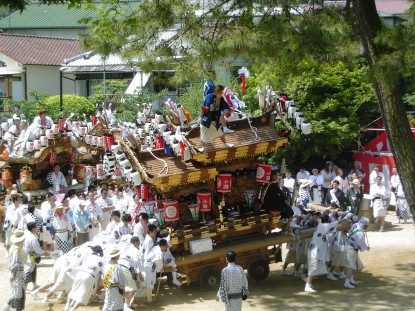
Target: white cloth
124 204
147 245
209 134
47 122
32 249
106 215
114 226
140 232
153 263
317 180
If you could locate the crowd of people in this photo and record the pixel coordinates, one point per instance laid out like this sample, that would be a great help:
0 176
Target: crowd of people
100 240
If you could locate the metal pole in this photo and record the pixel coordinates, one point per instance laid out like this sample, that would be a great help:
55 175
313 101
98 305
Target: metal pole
105 87
61 91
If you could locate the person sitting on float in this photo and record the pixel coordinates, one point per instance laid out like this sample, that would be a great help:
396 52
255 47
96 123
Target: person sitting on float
213 112
43 120
56 180
12 135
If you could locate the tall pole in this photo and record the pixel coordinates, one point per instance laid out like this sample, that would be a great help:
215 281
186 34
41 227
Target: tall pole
61 91
105 86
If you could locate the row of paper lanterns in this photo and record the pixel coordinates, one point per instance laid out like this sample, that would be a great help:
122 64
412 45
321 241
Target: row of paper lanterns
300 122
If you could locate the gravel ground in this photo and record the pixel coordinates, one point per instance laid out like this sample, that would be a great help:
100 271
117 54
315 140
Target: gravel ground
386 283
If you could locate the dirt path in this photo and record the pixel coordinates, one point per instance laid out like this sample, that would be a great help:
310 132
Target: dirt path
386 283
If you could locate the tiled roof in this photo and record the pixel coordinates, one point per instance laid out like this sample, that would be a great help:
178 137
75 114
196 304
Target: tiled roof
393 7
41 16
32 50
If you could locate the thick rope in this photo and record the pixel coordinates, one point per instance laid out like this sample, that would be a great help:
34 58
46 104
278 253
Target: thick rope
253 128
165 168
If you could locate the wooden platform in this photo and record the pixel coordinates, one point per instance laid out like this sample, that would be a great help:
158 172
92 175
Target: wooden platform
245 142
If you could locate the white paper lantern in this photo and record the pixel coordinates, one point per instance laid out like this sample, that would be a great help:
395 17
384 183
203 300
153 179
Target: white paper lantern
291 111
306 127
298 120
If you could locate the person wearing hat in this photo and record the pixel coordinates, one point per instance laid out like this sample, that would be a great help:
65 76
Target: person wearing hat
356 242
355 195
82 221
43 120
33 251
17 259
63 229
86 279
114 283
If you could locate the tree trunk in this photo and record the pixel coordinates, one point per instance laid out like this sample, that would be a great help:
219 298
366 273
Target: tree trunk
388 90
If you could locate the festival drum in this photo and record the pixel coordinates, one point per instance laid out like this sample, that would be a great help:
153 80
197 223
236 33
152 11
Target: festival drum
7 177
204 200
29 146
224 183
100 172
171 211
43 141
79 173
36 144
263 173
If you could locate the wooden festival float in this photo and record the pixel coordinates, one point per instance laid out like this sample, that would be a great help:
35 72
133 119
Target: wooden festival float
74 148
206 199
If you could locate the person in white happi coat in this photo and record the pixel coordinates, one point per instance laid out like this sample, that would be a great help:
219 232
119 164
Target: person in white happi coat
169 263
42 120
342 179
378 201
376 172
130 262
33 251
233 286
123 203
114 283
17 259
63 229
337 249
95 212
317 182
141 228
318 251
327 175
11 218
107 206
125 227
149 240
356 242
115 223
86 280
46 210
393 186
56 180
153 263
33 215
402 208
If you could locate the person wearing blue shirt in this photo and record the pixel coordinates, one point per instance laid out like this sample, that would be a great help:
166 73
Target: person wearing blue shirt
213 123
82 220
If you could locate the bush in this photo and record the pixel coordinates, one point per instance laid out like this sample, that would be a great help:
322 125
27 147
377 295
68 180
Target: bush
71 104
192 99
